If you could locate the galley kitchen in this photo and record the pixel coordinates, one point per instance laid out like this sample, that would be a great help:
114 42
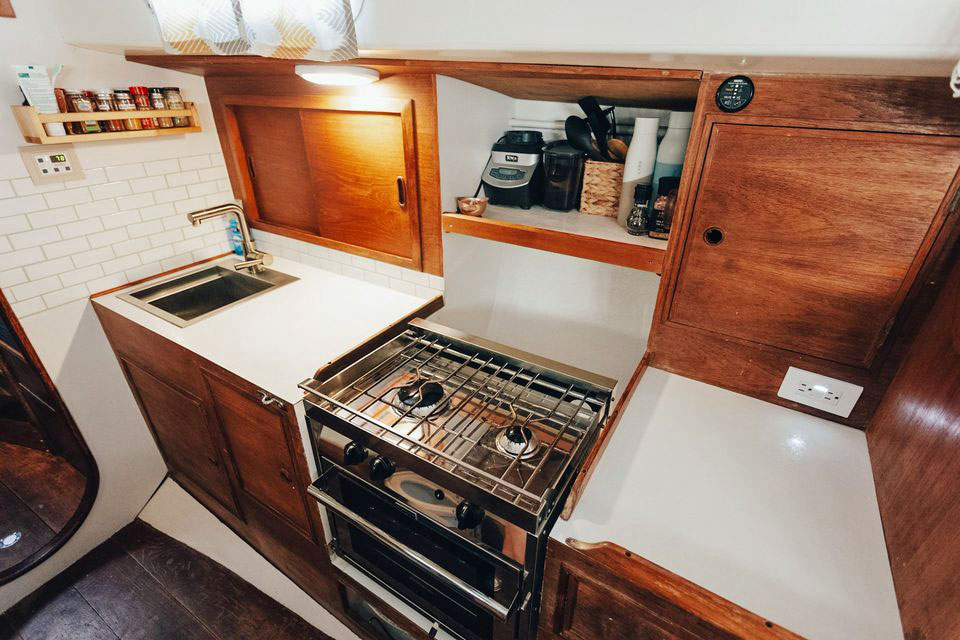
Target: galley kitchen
372 320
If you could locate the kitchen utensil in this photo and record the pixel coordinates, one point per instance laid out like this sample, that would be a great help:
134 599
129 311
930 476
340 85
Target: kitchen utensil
472 206
598 122
579 137
563 176
618 149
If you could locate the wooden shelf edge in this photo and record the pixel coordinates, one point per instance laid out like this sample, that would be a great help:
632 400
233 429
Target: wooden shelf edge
587 247
31 124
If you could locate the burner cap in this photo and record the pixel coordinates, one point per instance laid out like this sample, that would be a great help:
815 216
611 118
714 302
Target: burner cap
421 398
518 440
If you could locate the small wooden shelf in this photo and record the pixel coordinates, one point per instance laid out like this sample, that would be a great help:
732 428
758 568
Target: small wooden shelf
568 232
31 124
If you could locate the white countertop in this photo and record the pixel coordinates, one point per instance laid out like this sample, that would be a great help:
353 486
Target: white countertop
770 508
278 339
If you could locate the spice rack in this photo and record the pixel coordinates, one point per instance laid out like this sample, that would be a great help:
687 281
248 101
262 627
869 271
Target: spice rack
31 124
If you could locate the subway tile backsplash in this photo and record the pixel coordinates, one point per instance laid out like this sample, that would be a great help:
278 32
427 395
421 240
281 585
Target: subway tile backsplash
386 275
63 242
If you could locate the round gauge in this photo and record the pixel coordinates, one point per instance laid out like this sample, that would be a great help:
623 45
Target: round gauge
734 93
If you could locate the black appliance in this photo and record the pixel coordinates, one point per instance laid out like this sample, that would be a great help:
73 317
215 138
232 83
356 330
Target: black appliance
444 461
563 176
514 175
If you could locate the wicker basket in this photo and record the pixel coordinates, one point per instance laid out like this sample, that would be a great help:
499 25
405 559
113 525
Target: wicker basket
602 182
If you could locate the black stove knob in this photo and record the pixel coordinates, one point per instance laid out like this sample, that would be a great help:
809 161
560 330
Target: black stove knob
381 468
469 515
354 453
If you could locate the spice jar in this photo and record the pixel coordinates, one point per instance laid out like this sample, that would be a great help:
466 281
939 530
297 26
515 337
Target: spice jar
105 103
61 97
157 102
82 104
125 103
172 97
141 97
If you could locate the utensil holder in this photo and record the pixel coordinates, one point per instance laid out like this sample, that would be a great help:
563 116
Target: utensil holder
601 188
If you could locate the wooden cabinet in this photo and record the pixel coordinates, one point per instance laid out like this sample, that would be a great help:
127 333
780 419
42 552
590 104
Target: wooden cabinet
256 430
604 592
183 432
808 239
337 171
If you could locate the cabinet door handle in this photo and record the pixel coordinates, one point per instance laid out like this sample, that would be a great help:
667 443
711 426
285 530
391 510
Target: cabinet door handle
713 235
285 475
401 191
267 399
253 171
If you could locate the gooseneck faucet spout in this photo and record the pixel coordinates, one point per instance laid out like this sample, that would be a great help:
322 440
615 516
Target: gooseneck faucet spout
253 260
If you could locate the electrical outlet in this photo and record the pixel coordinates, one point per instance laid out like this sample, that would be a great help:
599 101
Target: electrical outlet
819 391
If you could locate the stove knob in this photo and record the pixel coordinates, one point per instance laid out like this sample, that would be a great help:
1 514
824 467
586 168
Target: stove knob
354 453
469 515
381 468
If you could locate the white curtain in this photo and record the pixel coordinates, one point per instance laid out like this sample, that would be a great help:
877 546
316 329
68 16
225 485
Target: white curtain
297 29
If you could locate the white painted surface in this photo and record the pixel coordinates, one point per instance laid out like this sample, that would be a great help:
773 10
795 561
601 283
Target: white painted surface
174 512
770 508
855 36
280 338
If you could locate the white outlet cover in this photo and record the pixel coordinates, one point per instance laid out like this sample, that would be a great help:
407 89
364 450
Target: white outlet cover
820 391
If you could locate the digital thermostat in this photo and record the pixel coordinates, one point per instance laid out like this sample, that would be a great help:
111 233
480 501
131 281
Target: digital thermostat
734 93
51 163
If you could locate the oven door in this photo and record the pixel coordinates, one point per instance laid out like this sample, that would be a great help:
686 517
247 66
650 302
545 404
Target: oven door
468 590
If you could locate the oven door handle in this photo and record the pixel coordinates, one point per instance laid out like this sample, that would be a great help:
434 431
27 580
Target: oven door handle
476 596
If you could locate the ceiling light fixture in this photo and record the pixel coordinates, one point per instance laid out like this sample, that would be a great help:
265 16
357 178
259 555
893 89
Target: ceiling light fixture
337 75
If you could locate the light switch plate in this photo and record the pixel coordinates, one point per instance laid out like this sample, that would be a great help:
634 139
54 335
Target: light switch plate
51 163
820 391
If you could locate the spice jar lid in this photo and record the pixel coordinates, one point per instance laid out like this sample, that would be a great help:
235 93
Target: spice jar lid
177 89
121 91
140 91
156 89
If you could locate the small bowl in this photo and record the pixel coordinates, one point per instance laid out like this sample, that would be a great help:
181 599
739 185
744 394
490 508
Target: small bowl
472 206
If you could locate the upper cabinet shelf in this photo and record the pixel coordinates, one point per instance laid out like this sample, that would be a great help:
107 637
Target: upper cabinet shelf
31 124
571 233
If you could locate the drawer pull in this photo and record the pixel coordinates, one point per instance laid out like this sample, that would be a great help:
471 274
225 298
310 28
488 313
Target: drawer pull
401 191
267 399
713 235
285 475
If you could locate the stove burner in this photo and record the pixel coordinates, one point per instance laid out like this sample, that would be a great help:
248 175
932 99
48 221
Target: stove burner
516 440
421 399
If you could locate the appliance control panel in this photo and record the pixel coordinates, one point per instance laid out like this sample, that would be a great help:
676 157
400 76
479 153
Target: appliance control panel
51 163
735 93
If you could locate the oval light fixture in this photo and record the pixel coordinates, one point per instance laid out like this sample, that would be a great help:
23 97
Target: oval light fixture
337 75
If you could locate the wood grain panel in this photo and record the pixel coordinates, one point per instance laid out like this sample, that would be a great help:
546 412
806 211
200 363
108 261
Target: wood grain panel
356 159
604 592
6 9
823 233
914 443
273 142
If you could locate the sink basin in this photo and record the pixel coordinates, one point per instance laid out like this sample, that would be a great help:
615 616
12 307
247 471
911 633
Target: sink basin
190 298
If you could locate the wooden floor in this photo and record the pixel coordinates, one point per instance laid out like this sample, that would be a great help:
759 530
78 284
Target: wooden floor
39 492
142 584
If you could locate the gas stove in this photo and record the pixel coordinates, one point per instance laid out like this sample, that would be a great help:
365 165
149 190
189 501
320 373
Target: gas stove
478 442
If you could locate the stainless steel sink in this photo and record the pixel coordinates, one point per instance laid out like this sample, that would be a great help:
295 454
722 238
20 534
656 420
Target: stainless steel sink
190 298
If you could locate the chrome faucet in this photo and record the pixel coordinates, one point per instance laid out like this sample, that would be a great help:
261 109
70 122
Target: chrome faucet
254 261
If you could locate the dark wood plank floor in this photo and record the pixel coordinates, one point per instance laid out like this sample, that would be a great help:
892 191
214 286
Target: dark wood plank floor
39 492
142 584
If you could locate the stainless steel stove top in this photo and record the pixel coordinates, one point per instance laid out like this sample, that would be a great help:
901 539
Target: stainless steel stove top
509 423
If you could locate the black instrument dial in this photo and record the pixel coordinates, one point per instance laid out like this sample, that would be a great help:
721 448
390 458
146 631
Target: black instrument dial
734 93
469 515
354 453
381 468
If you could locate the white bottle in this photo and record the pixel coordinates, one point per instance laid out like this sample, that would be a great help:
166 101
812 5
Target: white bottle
672 149
638 167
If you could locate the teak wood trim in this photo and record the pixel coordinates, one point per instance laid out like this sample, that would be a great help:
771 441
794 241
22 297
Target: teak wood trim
586 247
396 106
600 446
31 124
6 9
640 573
132 283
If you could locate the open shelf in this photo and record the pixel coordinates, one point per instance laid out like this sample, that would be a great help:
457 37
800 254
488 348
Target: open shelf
31 124
568 232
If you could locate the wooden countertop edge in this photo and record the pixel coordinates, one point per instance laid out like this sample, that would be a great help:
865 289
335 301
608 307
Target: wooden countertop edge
691 597
593 458
107 292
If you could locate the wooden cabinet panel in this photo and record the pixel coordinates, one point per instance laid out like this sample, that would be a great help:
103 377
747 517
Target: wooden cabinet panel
181 427
821 233
277 163
257 438
604 592
356 160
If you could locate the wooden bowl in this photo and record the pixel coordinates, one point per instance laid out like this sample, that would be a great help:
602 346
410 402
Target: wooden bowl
472 206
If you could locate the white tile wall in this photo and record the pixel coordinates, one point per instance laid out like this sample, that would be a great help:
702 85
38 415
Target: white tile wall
63 242
404 280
